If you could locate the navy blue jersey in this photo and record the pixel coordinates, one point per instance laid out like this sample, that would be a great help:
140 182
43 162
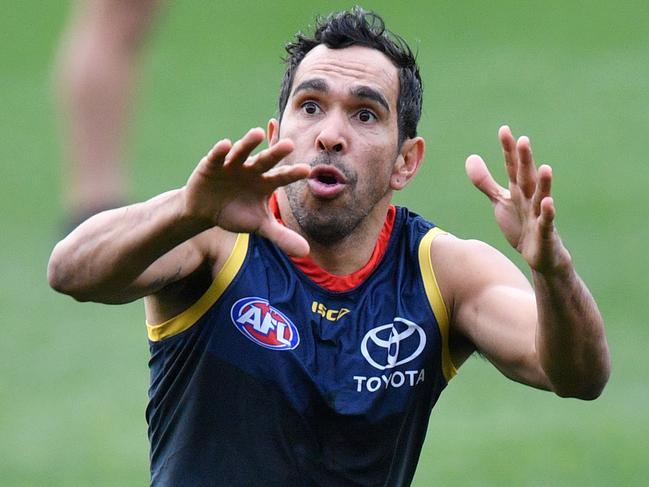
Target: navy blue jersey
269 379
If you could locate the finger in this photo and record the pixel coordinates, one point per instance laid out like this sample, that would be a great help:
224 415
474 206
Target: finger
526 173
219 151
283 175
543 187
242 148
289 241
214 158
508 144
481 178
546 218
268 158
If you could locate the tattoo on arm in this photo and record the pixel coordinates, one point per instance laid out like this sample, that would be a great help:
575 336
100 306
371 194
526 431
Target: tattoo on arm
161 282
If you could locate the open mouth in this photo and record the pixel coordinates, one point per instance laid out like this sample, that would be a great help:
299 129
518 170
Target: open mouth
327 179
326 182
327 175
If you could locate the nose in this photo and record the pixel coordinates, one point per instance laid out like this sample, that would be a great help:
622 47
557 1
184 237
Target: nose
331 137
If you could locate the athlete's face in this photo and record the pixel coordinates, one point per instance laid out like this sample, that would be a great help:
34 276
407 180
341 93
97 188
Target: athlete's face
342 117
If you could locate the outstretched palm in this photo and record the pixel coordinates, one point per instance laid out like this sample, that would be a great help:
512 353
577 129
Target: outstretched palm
525 212
230 188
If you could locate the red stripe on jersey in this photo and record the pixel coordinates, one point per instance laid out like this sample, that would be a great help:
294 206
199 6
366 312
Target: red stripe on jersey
333 282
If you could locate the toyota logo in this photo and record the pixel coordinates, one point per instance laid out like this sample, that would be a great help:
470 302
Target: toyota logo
393 344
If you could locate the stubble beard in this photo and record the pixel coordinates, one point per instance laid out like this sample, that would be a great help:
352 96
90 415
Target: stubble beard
330 224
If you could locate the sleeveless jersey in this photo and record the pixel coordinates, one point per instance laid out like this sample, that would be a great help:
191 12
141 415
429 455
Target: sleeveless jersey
269 379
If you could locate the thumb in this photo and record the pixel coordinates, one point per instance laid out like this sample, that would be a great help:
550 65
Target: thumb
477 171
289 241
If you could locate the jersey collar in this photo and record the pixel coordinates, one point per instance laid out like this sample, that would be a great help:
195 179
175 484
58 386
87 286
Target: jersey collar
332 282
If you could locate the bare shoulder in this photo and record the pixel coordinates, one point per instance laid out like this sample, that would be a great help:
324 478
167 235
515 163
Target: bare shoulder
216 246
471 276
465 266
202 259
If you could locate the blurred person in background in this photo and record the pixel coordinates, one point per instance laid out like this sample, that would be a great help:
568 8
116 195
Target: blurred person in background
95 74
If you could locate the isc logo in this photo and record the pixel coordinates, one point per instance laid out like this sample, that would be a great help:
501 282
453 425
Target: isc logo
263 324
329 314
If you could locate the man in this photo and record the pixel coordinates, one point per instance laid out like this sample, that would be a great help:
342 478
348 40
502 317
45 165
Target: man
301 327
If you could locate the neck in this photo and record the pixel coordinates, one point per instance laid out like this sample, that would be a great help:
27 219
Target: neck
351 252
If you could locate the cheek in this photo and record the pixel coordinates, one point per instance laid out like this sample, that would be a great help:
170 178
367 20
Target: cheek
381 160
300 134
376 172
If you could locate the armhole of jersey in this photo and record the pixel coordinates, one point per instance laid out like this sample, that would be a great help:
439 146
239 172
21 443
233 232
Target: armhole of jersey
435 299
191 315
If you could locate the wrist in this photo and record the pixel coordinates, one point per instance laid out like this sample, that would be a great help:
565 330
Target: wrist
561 269
191 215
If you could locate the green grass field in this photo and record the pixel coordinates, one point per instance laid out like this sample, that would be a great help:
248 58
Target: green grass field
574 76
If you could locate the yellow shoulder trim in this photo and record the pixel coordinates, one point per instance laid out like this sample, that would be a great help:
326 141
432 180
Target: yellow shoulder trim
435 299
191 315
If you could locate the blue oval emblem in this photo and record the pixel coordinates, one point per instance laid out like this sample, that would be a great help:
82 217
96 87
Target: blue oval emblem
264 324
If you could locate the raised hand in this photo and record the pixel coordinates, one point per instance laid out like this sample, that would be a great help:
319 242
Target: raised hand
525 211
230 188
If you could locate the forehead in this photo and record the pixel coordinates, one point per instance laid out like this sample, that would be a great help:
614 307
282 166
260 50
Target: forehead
354 65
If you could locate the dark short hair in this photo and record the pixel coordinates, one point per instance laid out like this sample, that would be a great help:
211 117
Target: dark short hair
359 27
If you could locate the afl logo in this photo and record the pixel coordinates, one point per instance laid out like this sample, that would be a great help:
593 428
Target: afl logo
263 324
388 346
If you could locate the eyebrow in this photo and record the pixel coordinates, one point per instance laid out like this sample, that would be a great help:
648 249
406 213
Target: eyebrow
316 84
371 94
367 92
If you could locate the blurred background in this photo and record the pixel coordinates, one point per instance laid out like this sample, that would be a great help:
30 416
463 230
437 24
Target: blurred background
574 76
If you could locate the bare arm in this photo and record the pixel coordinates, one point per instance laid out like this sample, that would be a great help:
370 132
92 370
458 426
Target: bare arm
124 254
106 257
549 336
572 342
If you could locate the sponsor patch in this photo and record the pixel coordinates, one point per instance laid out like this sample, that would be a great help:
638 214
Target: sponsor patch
393 344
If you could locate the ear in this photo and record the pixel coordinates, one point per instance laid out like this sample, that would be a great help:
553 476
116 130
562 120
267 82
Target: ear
273 132
408 162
